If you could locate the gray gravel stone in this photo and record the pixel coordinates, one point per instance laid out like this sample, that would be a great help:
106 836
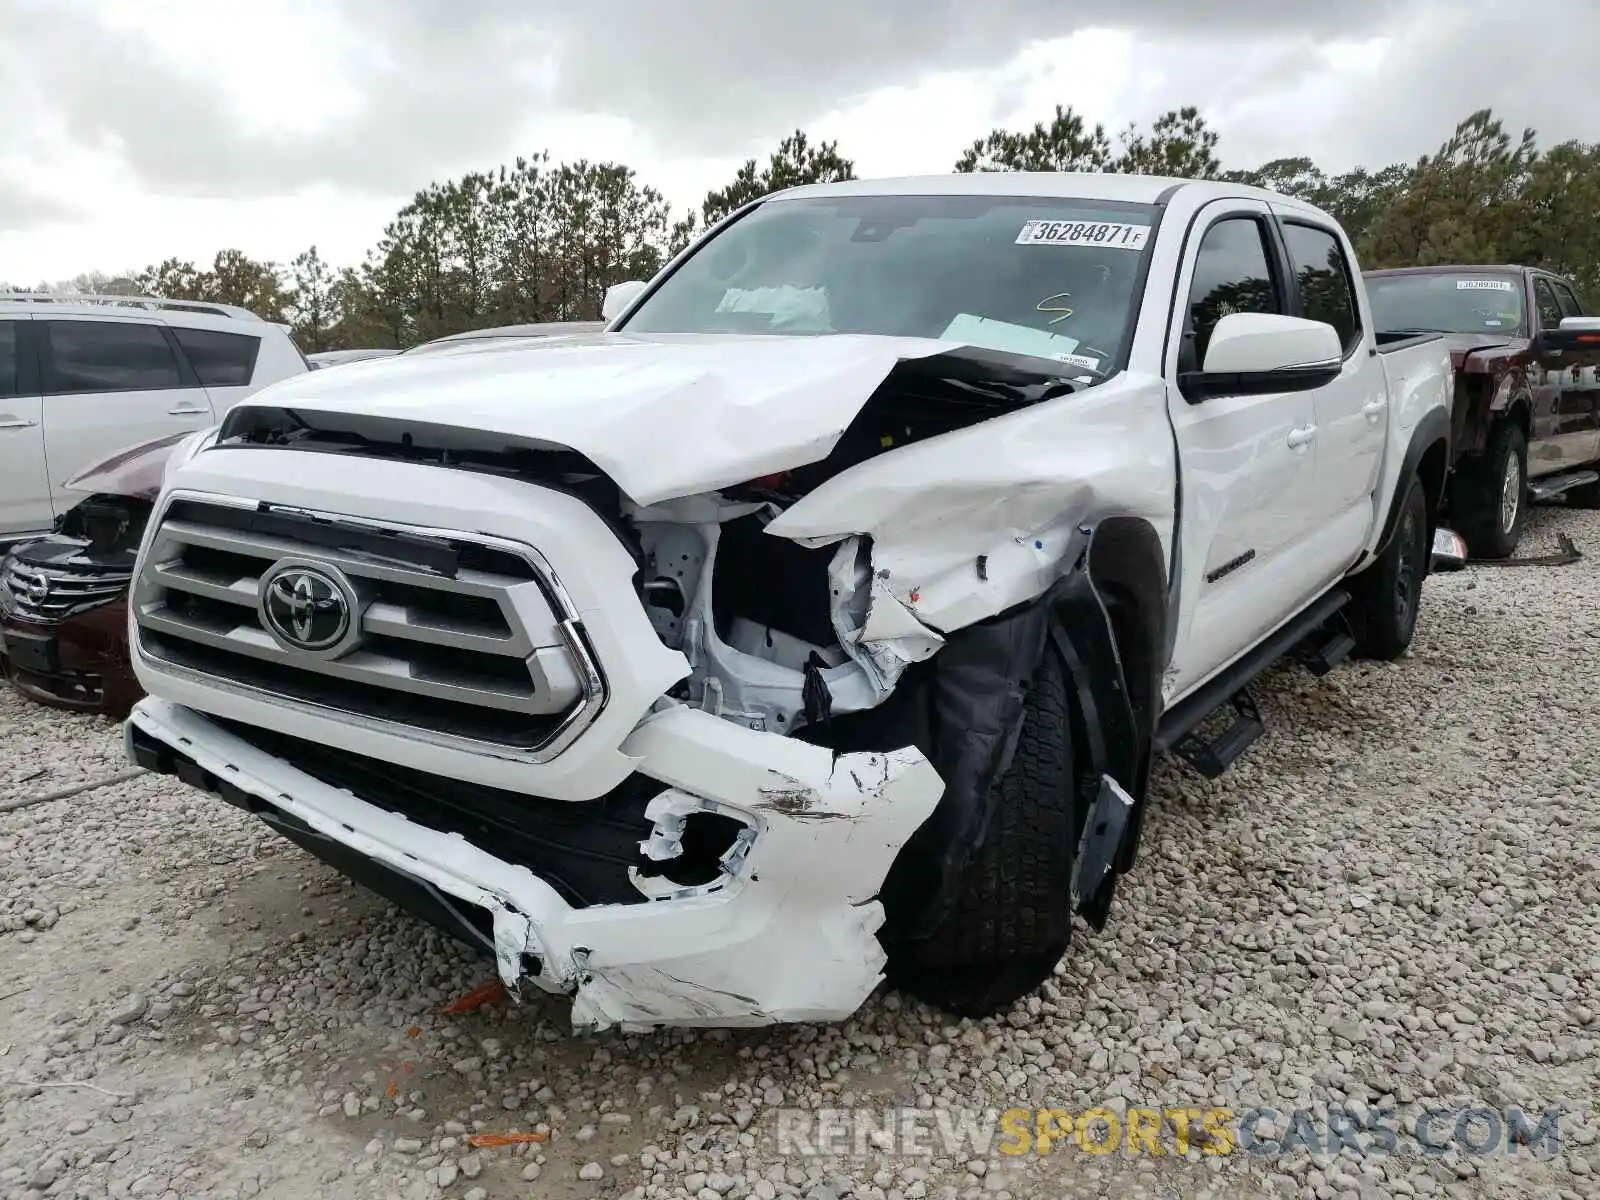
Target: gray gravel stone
1385 904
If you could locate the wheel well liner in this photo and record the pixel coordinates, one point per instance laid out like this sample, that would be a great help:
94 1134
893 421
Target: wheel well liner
1105 617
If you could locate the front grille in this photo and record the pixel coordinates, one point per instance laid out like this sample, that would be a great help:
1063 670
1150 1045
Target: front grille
51 594
451 635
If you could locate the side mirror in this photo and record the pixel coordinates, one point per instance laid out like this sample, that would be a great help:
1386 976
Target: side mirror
1574 333
619 296
1254 354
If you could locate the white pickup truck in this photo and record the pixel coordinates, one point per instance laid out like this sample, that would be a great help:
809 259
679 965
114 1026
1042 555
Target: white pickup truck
821 618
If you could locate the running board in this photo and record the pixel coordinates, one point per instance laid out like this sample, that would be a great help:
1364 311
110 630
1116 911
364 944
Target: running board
1552 486
1176 731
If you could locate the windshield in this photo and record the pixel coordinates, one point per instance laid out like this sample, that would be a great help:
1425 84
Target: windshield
1468 302
1052 278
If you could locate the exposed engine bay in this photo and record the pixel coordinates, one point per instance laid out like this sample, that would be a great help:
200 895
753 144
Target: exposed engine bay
780 636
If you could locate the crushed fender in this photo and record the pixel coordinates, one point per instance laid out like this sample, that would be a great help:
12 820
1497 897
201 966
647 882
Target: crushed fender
975 692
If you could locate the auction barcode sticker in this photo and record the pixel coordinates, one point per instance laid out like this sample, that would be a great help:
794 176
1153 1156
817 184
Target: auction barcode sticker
1079 360
1484 285
1083 233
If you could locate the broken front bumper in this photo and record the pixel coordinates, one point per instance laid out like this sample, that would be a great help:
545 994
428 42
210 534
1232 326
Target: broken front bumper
785 932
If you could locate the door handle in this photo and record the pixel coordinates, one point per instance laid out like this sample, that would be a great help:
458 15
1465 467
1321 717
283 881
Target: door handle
16 423
181 411
1373 407
1302 436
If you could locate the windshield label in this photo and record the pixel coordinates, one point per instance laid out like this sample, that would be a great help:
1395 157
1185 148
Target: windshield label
1484 285
1083 233
1079 360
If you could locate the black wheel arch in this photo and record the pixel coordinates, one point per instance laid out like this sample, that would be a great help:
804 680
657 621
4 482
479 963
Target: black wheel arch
1428 459
1128 569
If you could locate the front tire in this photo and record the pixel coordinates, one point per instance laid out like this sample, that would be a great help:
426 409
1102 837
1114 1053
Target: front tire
1386 597
1490 496
1012 918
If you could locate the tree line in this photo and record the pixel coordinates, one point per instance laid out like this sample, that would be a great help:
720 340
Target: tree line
541 241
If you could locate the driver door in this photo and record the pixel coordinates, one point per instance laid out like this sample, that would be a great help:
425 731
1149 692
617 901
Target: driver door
1251 554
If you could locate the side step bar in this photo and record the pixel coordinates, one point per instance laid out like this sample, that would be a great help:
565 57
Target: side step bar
1333 648
1552 486
1221 752
1176 731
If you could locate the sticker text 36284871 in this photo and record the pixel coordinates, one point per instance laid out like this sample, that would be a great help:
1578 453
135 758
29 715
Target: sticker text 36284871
1083 233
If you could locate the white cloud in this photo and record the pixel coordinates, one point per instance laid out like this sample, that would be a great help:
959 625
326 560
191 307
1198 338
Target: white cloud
178 127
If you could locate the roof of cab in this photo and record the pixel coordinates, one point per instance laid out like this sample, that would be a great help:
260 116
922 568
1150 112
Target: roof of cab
1088 185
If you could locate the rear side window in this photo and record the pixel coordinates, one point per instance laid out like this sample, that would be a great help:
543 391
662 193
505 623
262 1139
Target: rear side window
8 358
107 356
219 359
1322 279
1231 275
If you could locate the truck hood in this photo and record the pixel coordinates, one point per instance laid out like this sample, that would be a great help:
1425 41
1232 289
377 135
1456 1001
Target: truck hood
663 415
134 471
1474 351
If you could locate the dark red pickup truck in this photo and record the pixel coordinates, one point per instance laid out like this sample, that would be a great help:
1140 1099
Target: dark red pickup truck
1527 399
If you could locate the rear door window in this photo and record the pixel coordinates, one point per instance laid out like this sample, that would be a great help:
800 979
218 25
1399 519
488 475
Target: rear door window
219 359
107 356
1322 278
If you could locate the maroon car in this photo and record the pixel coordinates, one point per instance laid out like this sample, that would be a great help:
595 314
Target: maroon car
1527 400
64 598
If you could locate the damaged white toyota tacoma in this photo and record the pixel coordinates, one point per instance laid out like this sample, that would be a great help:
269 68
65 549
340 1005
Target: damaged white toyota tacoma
821 618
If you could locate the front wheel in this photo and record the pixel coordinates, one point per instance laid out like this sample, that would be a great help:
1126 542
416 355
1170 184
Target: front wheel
1385 598
1490 496
1012 919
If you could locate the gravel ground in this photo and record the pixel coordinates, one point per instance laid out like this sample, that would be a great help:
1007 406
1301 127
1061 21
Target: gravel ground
1392 902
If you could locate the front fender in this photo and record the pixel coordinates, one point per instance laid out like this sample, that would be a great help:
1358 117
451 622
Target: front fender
972 523
973 693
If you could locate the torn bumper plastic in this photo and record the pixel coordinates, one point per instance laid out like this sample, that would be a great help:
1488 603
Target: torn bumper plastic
786 933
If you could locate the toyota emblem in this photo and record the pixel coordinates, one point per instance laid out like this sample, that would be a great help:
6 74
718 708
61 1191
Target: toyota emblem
307 608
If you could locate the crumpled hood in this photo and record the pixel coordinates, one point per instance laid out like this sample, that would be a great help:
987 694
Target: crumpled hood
134 471
662 415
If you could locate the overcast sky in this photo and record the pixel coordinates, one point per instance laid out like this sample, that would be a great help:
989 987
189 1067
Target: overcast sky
141 129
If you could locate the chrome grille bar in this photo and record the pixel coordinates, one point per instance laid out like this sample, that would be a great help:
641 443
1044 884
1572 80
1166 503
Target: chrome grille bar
51 594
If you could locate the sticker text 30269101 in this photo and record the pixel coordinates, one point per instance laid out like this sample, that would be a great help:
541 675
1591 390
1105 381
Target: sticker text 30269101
1083 233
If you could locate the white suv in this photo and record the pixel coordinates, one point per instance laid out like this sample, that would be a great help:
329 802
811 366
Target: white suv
81 377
